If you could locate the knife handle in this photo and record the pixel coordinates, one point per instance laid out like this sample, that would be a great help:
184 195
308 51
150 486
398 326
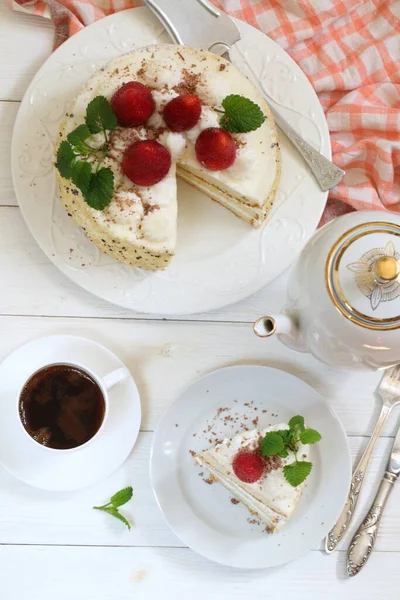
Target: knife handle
339 530
325 172
363 542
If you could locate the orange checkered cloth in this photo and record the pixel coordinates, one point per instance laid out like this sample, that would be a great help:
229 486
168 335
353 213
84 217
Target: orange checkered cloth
350 52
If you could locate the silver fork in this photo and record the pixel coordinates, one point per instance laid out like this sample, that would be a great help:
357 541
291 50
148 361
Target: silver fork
389 392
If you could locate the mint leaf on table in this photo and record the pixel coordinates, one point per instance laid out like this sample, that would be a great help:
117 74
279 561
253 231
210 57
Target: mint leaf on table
65 160
310 436
100 115
101 189
297 472
297 421
77 138
122 497
115 513
241 114
272 444
82 175
118 499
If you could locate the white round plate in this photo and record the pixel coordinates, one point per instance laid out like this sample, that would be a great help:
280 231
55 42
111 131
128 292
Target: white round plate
220 259
202 515
71 470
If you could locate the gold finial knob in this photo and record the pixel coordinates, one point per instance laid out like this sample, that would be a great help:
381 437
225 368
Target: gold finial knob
387 268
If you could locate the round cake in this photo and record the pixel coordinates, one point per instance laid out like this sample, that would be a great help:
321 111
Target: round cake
179 111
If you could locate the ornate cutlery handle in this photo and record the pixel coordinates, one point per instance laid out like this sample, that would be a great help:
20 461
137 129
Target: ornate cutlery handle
338 531
325 172
363 542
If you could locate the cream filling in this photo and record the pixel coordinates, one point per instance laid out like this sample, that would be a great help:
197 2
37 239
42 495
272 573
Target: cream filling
267 515
234 203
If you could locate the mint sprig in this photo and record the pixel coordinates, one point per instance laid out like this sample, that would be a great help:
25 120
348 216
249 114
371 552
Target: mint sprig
100 115
95 183
101 189
117 500
240 114
286 441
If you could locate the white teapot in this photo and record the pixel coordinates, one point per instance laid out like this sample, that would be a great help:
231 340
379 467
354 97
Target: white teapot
343 301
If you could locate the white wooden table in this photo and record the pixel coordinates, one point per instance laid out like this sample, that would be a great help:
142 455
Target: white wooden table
55 545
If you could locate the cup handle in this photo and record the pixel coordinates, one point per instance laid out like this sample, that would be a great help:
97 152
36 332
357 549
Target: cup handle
115 377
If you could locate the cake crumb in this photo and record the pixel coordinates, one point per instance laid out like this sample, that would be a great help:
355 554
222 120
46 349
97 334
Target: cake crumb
192 452
234 501
269 529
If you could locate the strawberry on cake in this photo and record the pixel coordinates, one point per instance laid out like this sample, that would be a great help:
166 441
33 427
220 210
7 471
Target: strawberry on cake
264 469
148 116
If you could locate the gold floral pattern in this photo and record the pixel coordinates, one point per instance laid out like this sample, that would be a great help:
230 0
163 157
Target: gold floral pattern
368 280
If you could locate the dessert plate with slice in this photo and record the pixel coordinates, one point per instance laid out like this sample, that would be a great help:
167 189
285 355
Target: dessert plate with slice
164 214
224 486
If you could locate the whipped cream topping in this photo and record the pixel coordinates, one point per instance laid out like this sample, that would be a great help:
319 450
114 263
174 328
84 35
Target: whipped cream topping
175 142
161 194
158 226
161 73
246 164
208 118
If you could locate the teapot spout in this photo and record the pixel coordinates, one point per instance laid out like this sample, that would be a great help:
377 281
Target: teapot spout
280 324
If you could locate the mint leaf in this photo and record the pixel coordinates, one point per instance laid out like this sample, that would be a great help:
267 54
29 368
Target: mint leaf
82 175
101 189
111 510
65 160
100 115
272 444
284 453
284 433
297 472
77 139
297 421
122 497
241 114
310 436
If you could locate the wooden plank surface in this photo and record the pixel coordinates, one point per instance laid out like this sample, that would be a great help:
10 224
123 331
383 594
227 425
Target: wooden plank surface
55 545
179 574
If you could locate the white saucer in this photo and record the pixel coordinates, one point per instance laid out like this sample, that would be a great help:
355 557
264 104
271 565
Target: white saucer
71 470
202 515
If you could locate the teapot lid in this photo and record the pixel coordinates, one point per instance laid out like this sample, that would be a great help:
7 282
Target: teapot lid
363 275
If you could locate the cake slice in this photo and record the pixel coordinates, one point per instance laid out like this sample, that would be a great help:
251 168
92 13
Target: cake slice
271 498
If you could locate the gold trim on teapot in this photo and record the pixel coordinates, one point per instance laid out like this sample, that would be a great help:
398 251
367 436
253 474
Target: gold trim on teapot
376 275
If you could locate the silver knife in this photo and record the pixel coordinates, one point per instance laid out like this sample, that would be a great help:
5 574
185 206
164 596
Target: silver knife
364 539
199 23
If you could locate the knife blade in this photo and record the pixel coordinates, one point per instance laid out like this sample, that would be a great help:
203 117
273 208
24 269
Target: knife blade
363 542
198 23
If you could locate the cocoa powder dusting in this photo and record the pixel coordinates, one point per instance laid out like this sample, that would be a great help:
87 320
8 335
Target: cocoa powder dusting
188 84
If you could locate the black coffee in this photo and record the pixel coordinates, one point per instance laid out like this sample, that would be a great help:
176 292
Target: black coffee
61 407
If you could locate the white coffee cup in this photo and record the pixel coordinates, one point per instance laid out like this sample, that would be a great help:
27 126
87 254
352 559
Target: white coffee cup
105 383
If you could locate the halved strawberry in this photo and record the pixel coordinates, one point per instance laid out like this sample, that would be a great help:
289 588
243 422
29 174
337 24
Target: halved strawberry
133 104
146 162
215 149
182 113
